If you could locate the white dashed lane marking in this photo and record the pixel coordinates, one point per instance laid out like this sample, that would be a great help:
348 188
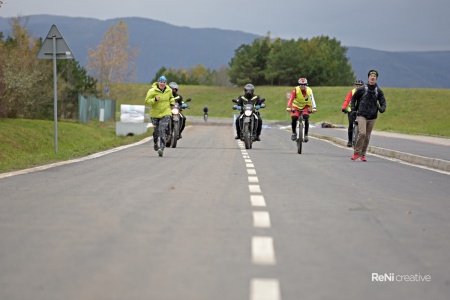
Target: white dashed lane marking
263 252
265 289
261 219
253 188
257 200
253 179
251 172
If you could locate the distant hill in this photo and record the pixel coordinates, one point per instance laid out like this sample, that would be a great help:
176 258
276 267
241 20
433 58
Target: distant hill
162 44
428 69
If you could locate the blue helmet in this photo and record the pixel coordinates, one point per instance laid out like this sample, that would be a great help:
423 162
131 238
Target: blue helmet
162 79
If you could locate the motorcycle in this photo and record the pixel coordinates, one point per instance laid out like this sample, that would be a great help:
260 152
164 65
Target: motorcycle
175 124
248 122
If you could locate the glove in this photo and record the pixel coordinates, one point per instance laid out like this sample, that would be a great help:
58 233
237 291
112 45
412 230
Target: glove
288 109
263 105
257 106
344 110
381 110
234 108
239 107
184 105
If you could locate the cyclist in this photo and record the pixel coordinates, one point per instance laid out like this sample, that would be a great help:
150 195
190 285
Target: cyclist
347 110
249 97
302 98
179 99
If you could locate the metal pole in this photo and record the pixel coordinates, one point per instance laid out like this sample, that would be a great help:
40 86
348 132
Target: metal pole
55 95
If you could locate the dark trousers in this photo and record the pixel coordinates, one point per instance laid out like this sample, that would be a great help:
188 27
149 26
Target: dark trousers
161 126
351 120
294 124
183 123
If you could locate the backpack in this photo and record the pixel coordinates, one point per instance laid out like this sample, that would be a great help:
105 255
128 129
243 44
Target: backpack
366 90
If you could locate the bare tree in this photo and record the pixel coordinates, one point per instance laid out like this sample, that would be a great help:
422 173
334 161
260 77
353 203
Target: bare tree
113 59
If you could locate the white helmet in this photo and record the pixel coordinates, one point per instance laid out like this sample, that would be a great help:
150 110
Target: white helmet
303 81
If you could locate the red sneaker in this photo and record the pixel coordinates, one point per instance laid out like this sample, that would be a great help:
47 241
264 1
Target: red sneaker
355 156
363 158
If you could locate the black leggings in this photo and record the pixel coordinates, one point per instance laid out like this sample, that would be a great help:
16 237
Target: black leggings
351 119
294 124
183 123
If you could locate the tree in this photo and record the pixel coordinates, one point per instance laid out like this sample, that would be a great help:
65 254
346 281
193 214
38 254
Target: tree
322 60
284 63
74 81
113 61
25 80
26 83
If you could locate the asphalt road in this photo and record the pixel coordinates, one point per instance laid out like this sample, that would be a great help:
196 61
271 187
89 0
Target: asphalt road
211 220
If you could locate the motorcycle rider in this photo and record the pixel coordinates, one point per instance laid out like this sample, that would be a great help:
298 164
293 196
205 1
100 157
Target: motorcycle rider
179 99
302 98
351 114
249 97
205 112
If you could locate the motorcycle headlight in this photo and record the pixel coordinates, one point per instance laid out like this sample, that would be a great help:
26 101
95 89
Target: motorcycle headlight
175 111
248 113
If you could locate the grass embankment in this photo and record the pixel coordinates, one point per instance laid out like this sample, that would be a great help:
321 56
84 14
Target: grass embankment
27 143
410 111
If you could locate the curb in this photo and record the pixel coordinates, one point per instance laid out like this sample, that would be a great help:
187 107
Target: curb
434 163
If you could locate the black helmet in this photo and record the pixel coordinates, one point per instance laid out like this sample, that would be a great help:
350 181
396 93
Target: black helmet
375 72
359 82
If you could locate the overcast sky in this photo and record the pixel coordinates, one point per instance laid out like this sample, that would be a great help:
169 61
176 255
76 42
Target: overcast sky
391 25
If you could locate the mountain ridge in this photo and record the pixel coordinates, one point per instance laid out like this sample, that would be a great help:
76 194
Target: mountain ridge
162 44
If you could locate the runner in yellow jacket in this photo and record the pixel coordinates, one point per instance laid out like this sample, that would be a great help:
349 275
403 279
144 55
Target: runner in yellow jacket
161 101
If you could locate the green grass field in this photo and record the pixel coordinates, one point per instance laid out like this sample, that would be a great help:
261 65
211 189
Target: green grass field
27 143
411 111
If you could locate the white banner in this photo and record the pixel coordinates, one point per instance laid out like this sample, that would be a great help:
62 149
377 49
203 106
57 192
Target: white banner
132 113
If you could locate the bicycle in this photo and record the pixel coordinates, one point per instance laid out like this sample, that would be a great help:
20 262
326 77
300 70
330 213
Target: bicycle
301 130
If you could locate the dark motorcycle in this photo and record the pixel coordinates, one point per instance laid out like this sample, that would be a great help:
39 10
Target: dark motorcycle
175 124
248 122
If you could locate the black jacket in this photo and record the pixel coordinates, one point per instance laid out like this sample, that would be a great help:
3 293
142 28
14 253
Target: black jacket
242 100
365 103
178 98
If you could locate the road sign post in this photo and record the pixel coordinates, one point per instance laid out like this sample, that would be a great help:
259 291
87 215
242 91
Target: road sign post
55 47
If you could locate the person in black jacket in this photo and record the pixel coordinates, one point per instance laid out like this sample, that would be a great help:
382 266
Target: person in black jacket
178 98
249 97
367 101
